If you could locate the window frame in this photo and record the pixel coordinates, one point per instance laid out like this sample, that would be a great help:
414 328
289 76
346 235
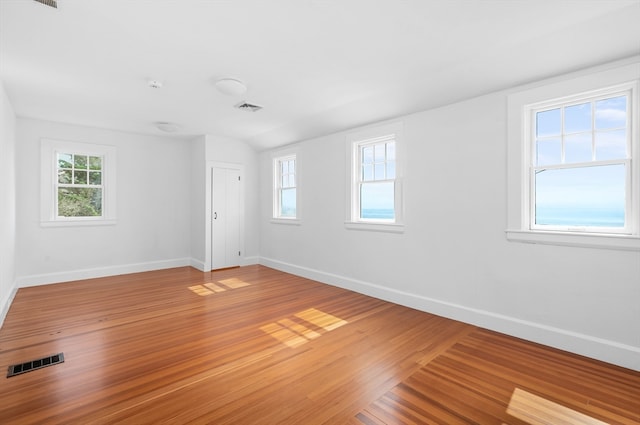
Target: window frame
49 183
354 142
277 159
612 78
530 112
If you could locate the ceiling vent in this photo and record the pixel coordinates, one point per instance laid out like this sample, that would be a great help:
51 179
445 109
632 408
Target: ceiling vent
248 107
50 3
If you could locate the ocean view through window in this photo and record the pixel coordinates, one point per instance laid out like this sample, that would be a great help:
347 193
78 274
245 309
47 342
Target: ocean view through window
580 163
375 179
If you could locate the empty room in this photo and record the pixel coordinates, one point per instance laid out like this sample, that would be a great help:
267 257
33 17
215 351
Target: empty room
320 212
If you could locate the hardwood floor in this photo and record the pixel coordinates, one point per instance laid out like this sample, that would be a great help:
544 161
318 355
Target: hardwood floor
256 346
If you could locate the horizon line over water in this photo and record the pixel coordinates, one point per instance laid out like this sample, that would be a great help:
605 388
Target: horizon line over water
589 217
558 216
378 213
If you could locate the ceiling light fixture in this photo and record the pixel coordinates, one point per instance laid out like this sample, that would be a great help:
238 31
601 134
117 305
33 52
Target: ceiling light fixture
154 84
231 86
167 127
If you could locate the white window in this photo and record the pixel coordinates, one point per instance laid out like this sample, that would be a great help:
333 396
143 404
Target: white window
78 183
285 193
376 191
579 163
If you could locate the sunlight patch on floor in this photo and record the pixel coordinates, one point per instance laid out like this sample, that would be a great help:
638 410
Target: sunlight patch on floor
536 410
201 290
292 333
321 319
220 286
234 283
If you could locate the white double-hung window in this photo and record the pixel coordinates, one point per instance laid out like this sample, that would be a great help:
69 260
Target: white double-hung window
285 190
574 161
581 164
375 201
77 183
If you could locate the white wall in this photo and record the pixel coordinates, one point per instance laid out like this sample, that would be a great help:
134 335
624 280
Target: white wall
453 258
153 208
7 203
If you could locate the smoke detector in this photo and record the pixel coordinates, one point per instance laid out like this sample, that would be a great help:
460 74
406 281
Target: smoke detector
245 106
167 127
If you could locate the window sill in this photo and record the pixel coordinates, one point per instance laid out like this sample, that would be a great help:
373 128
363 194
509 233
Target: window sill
290 221
375 227
583 240
77 223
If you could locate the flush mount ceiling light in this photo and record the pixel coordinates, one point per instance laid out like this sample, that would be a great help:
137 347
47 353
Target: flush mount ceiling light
231 86
167 127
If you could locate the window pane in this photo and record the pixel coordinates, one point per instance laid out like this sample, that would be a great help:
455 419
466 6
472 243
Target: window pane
379 152
379 171
284 167
292 180
79 177
577 148
95 163
577 118
292 166
288 203
586 196
95 177
611 113
377 201
611 144
80 161
367 172
79 202
64 176
548 151
391 170
65 160
548 123
367 155
391 151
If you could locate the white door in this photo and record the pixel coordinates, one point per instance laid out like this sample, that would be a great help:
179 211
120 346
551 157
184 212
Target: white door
225 218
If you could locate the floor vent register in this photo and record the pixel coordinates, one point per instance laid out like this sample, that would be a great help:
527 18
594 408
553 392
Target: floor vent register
20 368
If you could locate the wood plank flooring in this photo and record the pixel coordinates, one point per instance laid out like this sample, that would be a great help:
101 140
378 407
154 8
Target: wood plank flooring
253 345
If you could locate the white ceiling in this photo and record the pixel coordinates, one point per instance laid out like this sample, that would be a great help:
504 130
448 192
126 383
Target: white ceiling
317 66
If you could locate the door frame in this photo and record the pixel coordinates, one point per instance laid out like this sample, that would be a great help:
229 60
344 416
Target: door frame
208 251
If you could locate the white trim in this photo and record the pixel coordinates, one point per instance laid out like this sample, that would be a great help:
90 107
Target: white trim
518 158
197 264
582 240
210 165
48 150
276 157
587 345
5 305
81 274
374 227
374 134
281 220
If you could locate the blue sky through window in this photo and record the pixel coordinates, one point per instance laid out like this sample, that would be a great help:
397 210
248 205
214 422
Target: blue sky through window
586 195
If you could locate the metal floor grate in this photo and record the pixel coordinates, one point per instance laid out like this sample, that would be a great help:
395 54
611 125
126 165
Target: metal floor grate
17 369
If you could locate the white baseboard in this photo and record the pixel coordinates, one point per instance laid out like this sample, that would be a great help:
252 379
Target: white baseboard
244 261
197 264
67 276
249 261
597 348
6 303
